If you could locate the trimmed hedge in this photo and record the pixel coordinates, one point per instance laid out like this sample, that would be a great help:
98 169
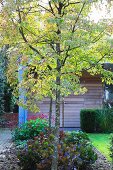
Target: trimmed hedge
97 120
88 120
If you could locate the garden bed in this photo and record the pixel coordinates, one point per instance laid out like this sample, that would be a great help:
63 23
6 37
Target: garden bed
9 161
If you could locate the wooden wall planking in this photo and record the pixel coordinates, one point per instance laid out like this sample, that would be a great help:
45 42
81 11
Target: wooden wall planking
70 109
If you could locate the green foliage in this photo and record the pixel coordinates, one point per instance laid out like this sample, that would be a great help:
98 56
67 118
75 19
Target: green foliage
76 137
2 79
74 150
88 120
6 98
37 151
30 129
104 120
84 45
97 120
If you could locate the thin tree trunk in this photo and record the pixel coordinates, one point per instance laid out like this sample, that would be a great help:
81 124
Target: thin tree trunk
50 113
63 113
57 120
58 93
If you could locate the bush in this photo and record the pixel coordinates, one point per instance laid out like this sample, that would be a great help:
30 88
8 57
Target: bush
30 129
88 120
37 153
75 137
74 150
104 120
97 120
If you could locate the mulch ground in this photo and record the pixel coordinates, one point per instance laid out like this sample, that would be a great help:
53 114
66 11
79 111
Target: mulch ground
9 161
101 163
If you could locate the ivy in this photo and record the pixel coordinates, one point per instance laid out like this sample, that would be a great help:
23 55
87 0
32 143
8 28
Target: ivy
6 103
2 79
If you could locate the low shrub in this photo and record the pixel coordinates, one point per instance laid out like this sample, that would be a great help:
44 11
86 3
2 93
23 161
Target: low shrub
88 120
75 137
74 150
30 129
37 153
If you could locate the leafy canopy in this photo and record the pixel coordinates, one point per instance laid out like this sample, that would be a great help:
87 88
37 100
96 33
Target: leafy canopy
41 34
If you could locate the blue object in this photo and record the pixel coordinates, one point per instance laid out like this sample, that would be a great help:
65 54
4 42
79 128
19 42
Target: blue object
22 117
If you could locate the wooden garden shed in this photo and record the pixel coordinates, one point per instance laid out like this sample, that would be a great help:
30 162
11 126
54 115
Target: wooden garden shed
71 105
97 94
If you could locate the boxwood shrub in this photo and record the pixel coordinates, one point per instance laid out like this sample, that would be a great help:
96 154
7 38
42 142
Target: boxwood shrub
88 120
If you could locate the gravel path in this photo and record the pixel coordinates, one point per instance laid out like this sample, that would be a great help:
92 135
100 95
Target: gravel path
101 163
9 160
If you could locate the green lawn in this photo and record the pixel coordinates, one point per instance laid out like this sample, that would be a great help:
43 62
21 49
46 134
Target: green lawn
101 142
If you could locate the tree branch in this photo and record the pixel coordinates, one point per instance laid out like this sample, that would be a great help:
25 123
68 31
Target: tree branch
73 29
71 3
69 49
98 36
63 62
94 64
52 46
51 8
23 36
46 9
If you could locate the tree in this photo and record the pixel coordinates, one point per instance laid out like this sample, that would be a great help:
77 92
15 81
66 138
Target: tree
57 42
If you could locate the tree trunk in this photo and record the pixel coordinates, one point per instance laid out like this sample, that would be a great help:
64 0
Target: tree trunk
58 93
63 112
50 113
57 121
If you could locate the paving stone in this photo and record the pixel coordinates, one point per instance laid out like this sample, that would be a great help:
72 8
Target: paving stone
5 139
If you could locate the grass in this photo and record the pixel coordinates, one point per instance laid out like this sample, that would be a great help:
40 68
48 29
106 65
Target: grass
101 142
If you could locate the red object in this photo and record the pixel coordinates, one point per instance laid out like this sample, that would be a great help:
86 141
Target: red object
39 115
